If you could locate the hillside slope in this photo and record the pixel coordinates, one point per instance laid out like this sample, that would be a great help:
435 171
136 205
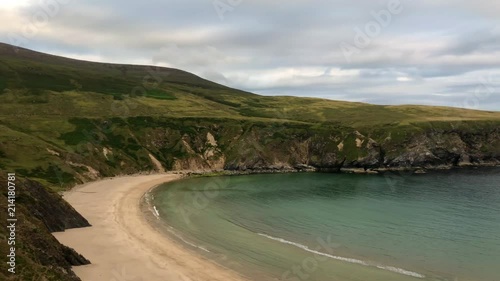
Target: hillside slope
64 121
39 256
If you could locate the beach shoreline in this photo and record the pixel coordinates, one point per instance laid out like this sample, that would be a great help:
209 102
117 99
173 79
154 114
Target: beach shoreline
127 243
122 244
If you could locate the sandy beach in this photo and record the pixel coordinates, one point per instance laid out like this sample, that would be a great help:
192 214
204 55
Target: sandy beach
122 245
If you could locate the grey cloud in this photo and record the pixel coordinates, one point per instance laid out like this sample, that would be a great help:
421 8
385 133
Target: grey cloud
215 76
288 47
483 40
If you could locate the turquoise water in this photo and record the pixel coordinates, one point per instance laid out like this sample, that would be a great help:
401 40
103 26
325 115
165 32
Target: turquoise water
438 226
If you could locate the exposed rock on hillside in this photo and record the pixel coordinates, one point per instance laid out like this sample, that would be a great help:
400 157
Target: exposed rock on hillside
199 145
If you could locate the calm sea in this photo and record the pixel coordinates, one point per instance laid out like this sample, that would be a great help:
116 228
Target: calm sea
437 226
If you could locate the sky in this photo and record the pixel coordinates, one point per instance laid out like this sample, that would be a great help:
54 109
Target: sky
431 52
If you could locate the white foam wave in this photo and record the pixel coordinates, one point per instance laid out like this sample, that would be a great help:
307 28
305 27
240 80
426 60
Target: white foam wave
401 271
148 198
350 260
171 230
156 213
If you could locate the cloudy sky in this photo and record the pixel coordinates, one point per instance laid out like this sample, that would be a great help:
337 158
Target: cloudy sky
436 52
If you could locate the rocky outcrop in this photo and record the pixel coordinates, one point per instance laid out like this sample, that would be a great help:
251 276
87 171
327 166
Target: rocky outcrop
150 144
257 149
448 148
49 207
39 255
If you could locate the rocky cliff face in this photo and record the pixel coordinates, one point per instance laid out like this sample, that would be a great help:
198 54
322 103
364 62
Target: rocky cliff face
435 148
55 213
203 145
39 255
329 148
100 148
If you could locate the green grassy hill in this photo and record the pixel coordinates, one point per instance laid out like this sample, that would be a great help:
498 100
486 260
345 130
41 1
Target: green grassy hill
64 121
45 85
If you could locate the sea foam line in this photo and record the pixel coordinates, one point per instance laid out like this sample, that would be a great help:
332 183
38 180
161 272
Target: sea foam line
148 198
350 260
170 229
157 214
